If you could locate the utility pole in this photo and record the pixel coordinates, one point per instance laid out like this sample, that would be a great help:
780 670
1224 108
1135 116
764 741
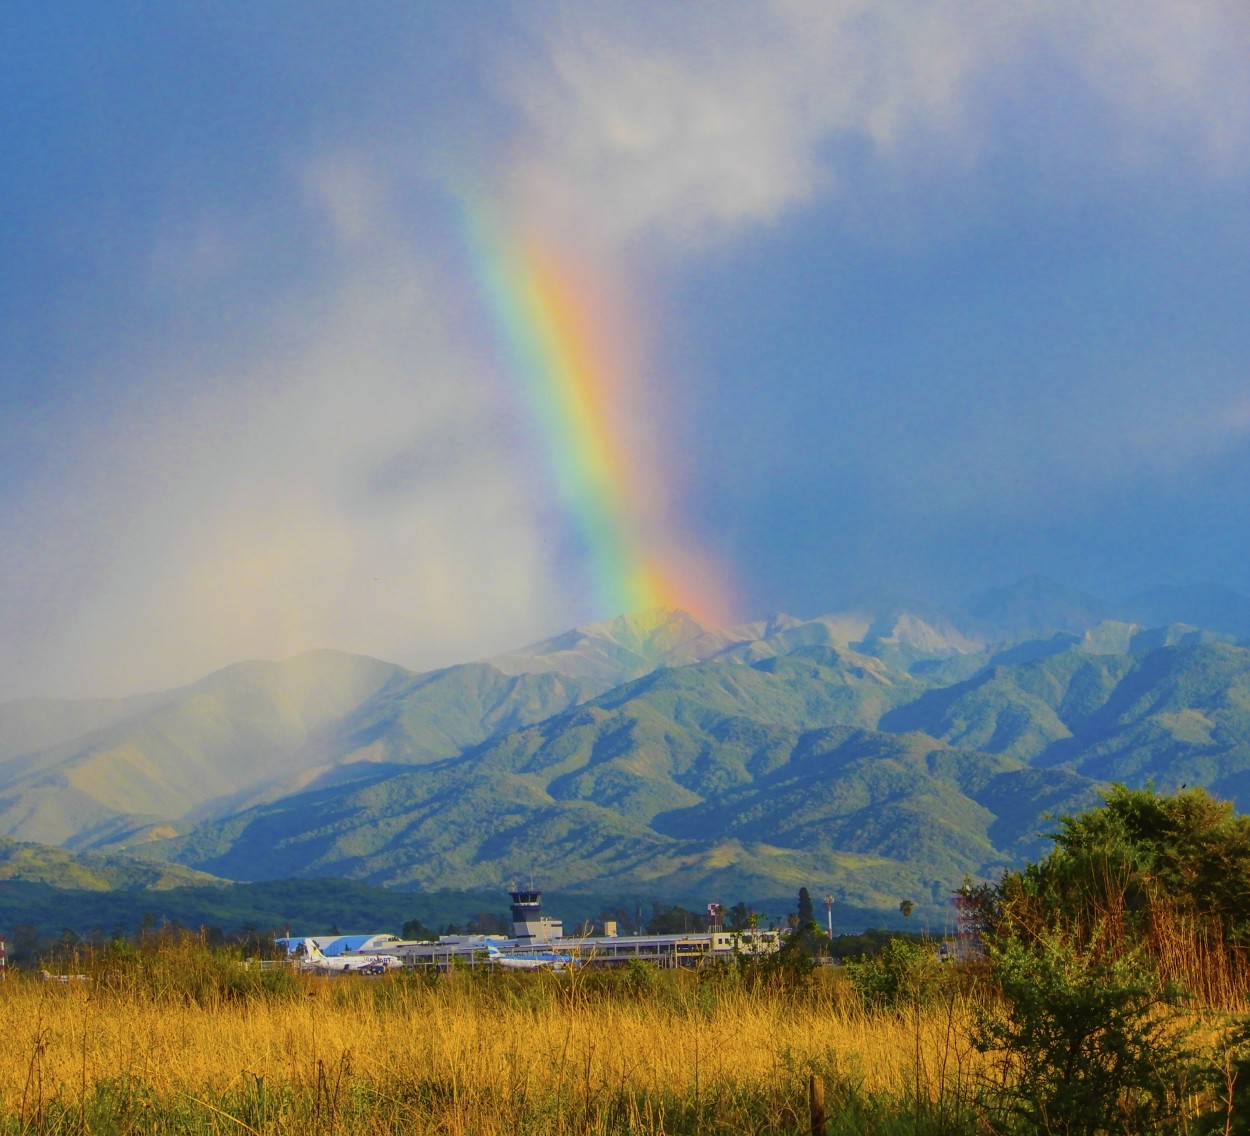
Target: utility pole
829 913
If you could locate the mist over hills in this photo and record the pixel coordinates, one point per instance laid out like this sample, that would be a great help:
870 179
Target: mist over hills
879 752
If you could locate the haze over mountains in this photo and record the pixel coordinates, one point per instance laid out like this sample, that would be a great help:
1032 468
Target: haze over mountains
879 752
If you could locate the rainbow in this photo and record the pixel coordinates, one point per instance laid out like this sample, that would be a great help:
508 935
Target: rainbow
572 383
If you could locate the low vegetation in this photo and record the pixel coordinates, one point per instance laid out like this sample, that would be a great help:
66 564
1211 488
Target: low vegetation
179 1044
1100 991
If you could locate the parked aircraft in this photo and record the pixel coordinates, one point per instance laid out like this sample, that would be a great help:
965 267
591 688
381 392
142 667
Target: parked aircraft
529 960
313 960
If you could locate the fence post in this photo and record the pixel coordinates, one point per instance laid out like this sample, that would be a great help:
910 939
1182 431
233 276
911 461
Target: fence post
816 1104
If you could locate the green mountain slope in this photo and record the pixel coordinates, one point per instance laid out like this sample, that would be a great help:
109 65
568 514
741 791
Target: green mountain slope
1181 714
425 718
245 725
31 724
712 776
905 796
31 863
1017 708
258 731
1172 706
868 753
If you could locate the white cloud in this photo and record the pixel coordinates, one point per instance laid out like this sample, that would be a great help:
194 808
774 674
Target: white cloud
727 113
1173 74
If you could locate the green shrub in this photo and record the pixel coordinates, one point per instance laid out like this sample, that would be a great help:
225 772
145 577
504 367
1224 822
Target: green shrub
641 976
905 973
1083 1045
1229 1074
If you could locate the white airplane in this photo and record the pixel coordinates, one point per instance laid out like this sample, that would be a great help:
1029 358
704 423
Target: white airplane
313 960
532 960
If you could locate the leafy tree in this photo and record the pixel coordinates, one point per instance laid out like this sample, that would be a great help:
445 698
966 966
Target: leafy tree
1085 1041
979 908
1136 869
869 942
806 912
674 920
641 976
1230 1115
1081 1046
416 930
738 918
905 973
907 907
488 923
24 947
68 940
627 919
792 962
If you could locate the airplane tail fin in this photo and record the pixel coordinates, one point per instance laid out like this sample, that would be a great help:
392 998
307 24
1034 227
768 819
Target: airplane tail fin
312 951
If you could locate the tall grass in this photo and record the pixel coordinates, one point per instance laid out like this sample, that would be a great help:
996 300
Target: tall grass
1191 948
181 1042
181 1039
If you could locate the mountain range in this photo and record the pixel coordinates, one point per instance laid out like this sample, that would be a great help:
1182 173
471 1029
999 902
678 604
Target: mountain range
878 753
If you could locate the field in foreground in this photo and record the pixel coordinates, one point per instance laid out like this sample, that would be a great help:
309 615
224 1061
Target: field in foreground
470 1053
187 1041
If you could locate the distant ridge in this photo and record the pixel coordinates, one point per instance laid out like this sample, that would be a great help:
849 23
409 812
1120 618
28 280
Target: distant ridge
867 751
1033 607
1208 606
623 648
30 724
248 724
27 862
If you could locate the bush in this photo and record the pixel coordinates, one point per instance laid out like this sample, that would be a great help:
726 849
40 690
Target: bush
905 973
1230 1074
641 976
1083 1045
183 971
1137 864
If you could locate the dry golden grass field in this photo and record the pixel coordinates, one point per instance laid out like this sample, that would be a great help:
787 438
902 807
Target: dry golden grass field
184 1041
466 1053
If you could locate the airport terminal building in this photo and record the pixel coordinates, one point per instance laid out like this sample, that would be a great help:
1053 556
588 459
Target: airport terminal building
537 938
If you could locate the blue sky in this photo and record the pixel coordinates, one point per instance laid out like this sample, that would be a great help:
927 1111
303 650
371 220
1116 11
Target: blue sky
932 297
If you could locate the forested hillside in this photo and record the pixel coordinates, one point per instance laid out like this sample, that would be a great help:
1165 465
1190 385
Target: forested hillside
876 754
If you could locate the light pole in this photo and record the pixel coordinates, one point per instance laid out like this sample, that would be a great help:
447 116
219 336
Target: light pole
829 913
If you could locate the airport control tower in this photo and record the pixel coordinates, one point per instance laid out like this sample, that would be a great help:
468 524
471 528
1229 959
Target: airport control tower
528 922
